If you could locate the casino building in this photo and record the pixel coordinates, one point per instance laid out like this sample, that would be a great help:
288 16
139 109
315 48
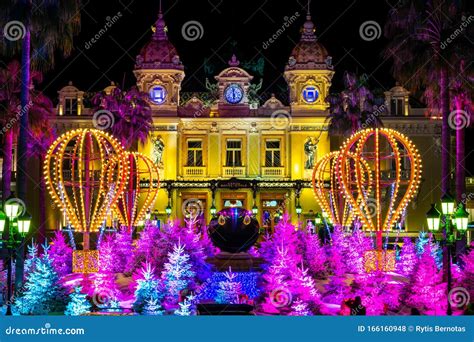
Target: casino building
226 148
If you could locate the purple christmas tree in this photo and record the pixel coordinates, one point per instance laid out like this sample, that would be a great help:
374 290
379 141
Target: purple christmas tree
408 258
61 255
425 291
285 235
314 255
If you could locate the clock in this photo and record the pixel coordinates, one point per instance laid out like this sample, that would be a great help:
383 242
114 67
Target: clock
310 94
157 94
233 93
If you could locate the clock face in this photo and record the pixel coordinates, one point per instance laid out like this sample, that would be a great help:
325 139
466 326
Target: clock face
157 94
310 94
233 93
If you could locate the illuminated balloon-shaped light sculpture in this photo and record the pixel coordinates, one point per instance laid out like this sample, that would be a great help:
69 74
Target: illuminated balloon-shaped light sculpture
140 191
328 190
79 180
396 174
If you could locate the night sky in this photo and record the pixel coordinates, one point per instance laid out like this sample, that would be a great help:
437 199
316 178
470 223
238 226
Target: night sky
228 26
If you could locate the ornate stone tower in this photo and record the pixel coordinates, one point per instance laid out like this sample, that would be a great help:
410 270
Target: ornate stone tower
309 72
159 71
233 83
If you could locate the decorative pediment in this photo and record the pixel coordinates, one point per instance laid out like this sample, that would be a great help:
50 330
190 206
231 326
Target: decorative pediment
273 103
234 72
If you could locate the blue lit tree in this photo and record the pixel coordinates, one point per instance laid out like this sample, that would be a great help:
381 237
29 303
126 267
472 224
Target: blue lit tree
78 304
186 307
148 296
42 294
424 239
229 289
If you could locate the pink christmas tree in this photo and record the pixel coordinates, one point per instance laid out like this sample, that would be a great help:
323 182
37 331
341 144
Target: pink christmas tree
408 258
467 276
337 289
276 288
151 248
426 292
122 250
285 235
314 255
61 255
355 247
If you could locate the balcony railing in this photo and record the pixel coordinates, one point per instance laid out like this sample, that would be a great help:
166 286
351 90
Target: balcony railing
233 171
194 171
273 171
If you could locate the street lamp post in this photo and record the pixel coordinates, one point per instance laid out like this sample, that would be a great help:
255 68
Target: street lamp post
14 213
460 216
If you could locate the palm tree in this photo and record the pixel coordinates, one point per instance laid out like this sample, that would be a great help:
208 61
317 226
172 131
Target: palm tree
10 114
41 137
46 27
353 108
131 116
422 59
462 94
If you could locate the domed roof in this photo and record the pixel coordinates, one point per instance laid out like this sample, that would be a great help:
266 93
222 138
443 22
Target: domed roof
159 53
309 53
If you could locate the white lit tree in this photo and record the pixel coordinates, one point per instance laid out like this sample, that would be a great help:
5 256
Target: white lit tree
177 274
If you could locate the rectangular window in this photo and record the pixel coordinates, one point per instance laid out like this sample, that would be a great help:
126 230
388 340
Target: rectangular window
194 153
272 153
233 153
70 106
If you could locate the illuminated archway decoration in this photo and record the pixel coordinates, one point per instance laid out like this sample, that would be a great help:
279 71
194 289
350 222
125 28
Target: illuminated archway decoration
396 167
328 191
79 181
140 192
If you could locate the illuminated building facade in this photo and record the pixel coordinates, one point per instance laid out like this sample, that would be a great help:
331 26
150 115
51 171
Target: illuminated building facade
228 148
